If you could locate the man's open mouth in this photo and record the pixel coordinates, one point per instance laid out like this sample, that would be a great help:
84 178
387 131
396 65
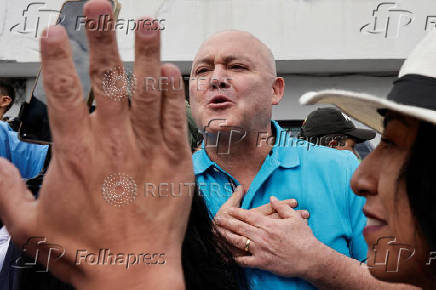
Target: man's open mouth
220 99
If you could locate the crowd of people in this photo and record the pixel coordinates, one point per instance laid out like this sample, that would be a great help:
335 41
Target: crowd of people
259 216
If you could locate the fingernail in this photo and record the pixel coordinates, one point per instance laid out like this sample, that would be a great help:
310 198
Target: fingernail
97 10
147 27
273 198
53 33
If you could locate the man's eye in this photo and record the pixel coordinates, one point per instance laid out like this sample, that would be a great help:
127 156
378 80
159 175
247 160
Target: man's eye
201 70
237 67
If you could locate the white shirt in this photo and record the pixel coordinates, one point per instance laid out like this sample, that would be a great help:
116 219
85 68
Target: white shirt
4 244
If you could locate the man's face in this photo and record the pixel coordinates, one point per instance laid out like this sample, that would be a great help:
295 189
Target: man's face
391 228
5 101
347 144
231 80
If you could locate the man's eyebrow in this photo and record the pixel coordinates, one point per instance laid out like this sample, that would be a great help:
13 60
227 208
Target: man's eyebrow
206 59
227 59
231 58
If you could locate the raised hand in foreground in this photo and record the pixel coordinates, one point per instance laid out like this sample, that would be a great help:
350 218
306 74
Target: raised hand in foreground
93 196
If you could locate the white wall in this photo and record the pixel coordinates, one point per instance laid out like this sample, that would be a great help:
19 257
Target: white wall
295 86
303 34
306 36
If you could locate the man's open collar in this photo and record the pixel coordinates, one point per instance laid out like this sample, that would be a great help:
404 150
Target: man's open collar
284 153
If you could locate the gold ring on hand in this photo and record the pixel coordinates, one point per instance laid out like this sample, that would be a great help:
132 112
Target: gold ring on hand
247 245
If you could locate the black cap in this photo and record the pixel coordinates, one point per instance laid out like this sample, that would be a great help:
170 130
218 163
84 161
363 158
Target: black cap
327 121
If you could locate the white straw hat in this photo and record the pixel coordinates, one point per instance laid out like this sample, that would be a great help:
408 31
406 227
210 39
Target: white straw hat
413 94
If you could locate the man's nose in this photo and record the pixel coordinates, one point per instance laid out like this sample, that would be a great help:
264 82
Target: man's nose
219 79
365 178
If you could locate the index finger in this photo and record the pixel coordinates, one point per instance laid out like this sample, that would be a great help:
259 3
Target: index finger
247 216
267 209
283 210
235 199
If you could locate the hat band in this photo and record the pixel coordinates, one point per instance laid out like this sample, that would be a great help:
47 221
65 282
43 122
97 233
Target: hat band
414 90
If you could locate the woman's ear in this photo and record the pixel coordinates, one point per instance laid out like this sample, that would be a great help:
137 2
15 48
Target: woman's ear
278 90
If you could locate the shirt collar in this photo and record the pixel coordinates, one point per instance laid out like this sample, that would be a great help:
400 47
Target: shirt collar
285 151
280 153
201 161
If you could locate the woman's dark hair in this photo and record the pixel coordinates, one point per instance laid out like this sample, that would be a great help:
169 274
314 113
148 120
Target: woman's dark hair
420 176
206 259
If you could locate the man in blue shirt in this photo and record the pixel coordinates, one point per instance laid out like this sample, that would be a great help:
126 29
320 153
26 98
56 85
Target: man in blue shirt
233 85
28 158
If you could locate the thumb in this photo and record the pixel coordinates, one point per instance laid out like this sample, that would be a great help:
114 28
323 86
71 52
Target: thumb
236 198
16 202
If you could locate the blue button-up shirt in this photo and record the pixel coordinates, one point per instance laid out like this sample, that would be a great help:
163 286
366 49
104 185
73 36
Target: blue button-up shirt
317 177
28 158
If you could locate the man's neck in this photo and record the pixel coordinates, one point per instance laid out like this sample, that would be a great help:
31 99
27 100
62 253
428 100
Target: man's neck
241 157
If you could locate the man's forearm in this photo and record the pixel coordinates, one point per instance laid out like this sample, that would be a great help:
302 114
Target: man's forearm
332 270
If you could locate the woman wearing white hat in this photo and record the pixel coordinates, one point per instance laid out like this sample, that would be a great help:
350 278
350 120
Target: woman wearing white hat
398 179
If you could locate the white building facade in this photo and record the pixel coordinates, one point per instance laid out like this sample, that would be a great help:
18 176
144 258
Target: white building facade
349 44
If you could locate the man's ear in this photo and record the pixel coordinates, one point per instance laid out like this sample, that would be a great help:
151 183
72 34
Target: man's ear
278 90
5 101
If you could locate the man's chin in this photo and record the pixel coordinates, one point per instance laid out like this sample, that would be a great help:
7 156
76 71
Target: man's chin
220 124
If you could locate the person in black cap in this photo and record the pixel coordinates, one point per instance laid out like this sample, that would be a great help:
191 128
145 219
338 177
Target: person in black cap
330 127
398 179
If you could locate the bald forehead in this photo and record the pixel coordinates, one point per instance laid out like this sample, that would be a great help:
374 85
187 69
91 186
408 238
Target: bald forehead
241 42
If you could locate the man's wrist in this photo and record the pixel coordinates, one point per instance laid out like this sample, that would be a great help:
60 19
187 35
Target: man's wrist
318 258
